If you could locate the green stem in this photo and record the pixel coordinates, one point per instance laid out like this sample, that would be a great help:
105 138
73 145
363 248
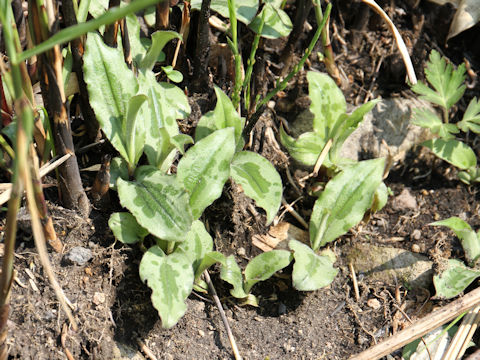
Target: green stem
170 247
283 84
6 146
76 31
251 62
238 59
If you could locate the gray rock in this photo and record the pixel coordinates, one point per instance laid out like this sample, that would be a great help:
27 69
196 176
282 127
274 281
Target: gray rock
390 265
388 122
405 201
78 255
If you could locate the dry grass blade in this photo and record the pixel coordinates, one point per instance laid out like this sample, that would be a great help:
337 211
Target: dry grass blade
463 336
398 39
44 170
421 327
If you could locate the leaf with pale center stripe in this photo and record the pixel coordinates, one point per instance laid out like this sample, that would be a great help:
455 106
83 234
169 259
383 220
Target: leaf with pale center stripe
159 203
171 280
259 180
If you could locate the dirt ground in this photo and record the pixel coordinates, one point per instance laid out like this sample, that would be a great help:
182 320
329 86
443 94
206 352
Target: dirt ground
113 307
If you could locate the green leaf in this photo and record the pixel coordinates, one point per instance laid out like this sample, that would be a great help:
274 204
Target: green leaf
159 40
173 75
471 117
166 104
231 273
468 237
159 203
345 199
380 198
328 103
198 242
246 9
259 180
263 266
138 48
446 81
206 167
306 148
310 271
277 22
455 152
223 116
135 134
454 279
97 7
118 169
428 119
171 280
126 228
111 84
208 260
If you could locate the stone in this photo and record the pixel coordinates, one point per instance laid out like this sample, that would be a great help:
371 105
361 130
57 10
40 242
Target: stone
405 201
391 265
387 127
77 255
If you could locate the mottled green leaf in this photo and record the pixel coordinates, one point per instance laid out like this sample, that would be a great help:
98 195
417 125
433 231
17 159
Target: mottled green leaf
344 201
246 9
171 280
224 115
198 242
454 279
306 148
259 180
206 167
159 203
455 152
135 134
468 237
328 102
111 84
159 40
231 273
310 271
126 228
277 22
263 266
208 260
118 169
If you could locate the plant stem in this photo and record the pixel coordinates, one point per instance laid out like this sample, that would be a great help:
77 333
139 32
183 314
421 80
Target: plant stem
238 59
251 62
283 84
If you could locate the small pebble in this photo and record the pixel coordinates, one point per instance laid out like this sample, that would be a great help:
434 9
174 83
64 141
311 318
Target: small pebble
78 255
416 248
374 303
241 251
416 234
405 201
98 298
201 333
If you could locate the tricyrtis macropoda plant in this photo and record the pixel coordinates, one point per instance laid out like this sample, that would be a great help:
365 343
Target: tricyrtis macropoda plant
138 115
447 88
355 187
455 275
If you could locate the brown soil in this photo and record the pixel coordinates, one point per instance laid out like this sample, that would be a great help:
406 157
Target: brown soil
113 307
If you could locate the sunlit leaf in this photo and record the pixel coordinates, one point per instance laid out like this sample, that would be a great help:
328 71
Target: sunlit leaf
452 281
126 228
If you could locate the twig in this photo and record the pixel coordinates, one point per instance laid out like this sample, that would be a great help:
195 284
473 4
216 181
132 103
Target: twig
398 39
146 350
355 283
236 353
463 336
421 327
295 214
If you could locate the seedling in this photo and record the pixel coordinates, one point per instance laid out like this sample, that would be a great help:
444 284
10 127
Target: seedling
456 276
447 88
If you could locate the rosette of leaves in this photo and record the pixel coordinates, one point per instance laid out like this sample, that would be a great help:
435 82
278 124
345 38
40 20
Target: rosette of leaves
455 276
446 89
330 122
